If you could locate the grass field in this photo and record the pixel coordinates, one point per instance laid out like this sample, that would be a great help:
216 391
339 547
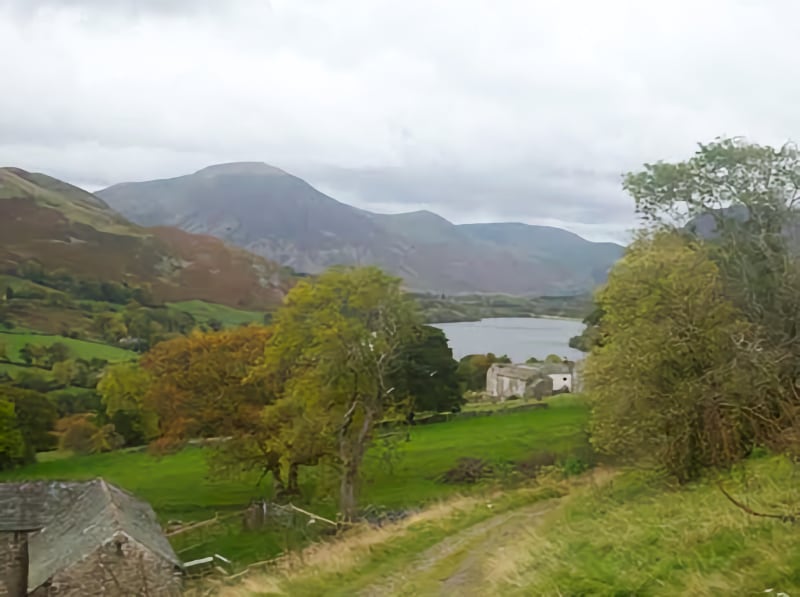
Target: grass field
203 312
83 349
20 284
610 532
15 370
179 486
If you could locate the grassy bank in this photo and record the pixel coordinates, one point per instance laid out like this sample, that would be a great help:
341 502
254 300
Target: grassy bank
640 535
398 475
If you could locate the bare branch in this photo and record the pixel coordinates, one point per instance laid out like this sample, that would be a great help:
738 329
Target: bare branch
782 517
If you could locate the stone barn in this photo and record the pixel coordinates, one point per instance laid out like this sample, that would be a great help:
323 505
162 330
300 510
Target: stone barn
524 381
82 539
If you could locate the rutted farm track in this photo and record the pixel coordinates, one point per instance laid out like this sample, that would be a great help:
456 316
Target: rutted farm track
461 563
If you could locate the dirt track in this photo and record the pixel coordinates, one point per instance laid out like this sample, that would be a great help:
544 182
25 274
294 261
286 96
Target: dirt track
458 565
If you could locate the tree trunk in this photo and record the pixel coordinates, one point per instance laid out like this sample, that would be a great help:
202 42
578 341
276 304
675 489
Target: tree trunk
348 501
293 487
351 451
278 487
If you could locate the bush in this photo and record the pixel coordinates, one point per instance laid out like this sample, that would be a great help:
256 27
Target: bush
106 439
78 435
468 470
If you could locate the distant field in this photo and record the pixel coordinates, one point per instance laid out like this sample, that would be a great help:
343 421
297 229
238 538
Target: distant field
83 349
15 370
20 284
203 312
180 486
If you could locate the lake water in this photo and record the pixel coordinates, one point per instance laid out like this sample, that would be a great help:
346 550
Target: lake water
519 338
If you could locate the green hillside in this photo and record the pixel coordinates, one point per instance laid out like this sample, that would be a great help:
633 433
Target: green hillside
204 312
79 349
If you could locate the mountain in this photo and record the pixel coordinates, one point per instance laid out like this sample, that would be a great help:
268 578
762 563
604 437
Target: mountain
588 261
68 229
281 217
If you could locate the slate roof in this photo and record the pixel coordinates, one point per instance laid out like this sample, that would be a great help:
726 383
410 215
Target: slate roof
551 368
529 371
75 519
524 372
30 505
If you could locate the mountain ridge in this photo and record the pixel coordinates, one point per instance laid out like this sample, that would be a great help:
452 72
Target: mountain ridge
282 217
65 228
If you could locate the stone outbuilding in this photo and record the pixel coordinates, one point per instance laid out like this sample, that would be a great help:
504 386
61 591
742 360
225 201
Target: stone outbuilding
82 539
534 380
523 381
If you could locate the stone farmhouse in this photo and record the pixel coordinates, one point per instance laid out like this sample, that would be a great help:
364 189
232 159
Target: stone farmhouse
82 539
535 380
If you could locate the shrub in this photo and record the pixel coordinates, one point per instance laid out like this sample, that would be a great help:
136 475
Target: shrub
78 434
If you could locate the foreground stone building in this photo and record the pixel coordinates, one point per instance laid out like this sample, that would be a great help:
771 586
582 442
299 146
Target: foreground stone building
82 539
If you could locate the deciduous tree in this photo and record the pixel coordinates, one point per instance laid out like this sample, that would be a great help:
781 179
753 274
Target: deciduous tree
427 374
197 382
472 369
743 200
675 378
123 389
336 345
12 444
36 417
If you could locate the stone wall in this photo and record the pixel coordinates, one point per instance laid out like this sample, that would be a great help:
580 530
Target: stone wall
121 568
13 564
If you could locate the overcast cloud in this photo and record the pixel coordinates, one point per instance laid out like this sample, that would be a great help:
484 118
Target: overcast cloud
490 110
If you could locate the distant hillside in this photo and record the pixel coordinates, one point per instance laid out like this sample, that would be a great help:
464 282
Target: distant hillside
283 218
64 228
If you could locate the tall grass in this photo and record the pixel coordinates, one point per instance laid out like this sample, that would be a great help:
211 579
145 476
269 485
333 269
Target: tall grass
639 535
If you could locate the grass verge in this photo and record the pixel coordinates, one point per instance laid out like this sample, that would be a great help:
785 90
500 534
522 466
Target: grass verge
639 535
366 556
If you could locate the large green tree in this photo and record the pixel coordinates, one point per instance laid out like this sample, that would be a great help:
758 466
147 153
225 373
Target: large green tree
35 418
742 200
673 379
123 388
472 369
337 343
427 374
12 444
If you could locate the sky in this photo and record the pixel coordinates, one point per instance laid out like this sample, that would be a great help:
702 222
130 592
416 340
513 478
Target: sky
479 110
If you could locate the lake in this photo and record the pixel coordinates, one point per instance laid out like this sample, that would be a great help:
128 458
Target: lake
520 337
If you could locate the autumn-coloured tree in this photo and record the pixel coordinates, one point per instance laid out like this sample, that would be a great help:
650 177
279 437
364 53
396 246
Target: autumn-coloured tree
337 342
77 433
198 388
197 382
